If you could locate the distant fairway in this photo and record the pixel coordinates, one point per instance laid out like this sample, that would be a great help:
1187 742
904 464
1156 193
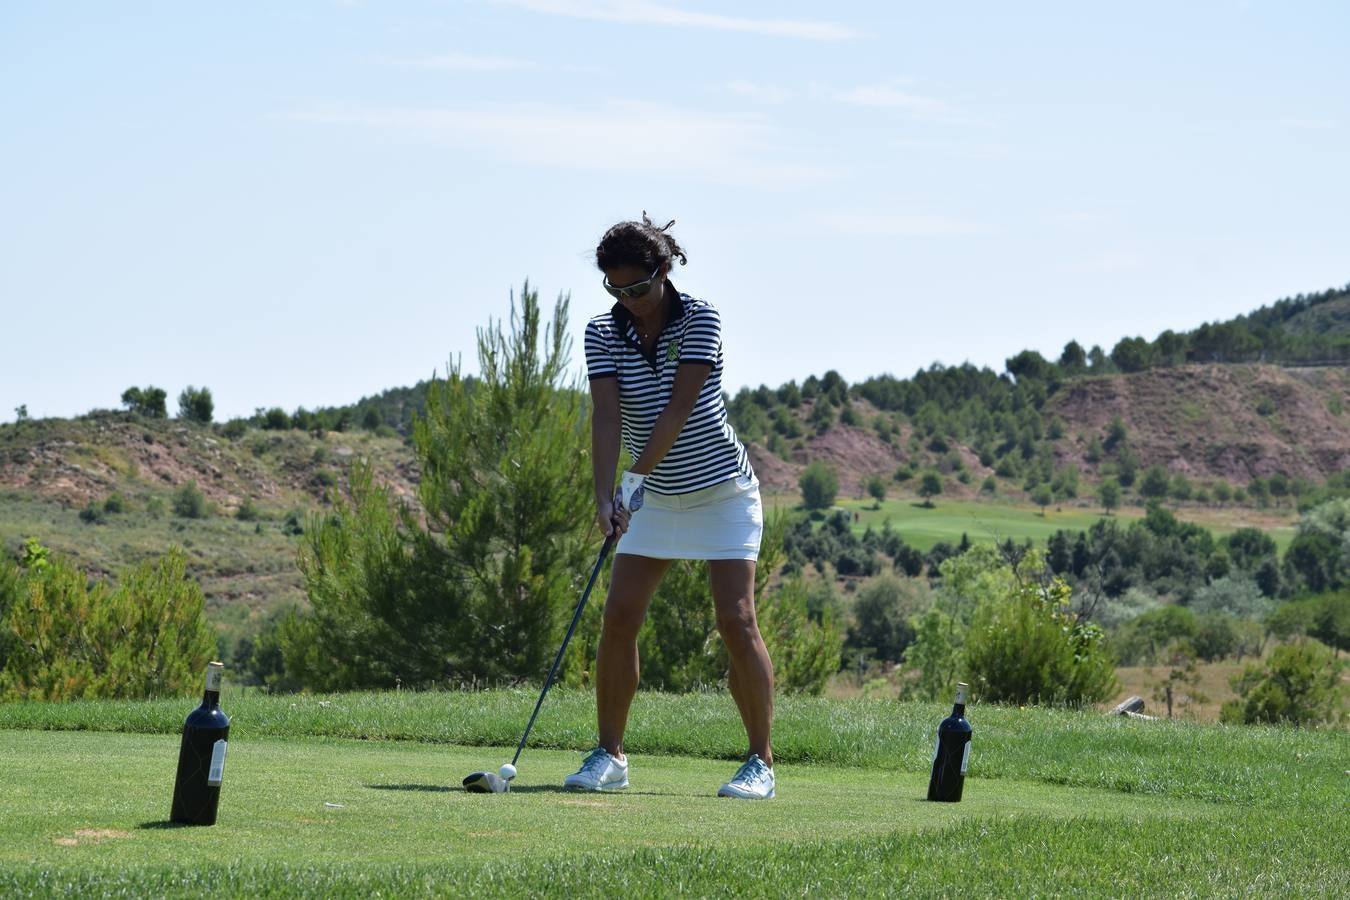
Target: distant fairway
985 521
358 794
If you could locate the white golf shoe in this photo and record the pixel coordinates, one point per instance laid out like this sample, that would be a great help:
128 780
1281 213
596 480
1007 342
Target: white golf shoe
599 772
752 781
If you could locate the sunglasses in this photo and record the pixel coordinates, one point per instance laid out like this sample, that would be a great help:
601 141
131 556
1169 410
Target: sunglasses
632 291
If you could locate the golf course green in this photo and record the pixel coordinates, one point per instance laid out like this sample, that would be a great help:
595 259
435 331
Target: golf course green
352 795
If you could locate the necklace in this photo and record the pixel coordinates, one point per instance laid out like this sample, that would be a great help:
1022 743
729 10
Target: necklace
644 332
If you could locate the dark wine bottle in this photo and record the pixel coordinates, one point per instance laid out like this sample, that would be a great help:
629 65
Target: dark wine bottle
201 757
951 753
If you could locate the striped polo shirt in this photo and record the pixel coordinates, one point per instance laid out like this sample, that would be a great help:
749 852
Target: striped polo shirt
707 452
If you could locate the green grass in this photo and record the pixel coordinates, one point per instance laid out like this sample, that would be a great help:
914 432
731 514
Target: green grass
357 794
983 520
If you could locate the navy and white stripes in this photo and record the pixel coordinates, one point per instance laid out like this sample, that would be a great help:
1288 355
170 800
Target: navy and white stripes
707 452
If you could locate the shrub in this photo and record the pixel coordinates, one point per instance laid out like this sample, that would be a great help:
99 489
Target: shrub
934 655
1299 684
876 488
822 416
93 514
1065 482
1319 555
1180 487
1325 617
294 523
1216 636
1111 613
1155 483
1026 646
854 561
1142 639
189 503
804 645
247 511
147 401
1109 494
1236 595
883 615
930 486
1116 433
196 405
275 419
234 429
819 485
145 638
114 504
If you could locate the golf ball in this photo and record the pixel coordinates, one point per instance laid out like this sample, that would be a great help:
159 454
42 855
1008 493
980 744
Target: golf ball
507 771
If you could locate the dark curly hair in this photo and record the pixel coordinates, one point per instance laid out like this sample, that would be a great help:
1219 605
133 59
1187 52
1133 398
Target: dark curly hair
639 244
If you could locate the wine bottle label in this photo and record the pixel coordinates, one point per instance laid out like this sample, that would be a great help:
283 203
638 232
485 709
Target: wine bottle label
965 758
214 674
216 774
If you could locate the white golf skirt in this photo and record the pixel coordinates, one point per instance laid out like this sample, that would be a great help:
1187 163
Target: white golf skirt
724 521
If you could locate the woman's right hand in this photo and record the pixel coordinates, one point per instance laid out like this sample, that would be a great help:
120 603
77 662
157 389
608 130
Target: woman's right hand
612 518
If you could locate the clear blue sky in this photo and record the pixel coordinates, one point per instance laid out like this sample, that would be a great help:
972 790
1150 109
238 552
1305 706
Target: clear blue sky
304 202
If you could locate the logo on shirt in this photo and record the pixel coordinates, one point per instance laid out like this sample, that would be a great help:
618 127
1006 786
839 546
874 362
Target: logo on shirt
673 351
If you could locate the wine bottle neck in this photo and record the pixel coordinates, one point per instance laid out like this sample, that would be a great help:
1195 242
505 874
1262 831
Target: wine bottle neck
959 711
211 699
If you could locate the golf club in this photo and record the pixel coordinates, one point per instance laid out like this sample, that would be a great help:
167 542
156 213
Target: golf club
500 782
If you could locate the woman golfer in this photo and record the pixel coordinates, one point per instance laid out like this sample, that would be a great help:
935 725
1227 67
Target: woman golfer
654 361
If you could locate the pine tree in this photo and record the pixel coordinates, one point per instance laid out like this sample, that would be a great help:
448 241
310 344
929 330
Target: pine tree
481 585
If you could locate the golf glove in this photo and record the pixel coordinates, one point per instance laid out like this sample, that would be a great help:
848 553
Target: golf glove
630 491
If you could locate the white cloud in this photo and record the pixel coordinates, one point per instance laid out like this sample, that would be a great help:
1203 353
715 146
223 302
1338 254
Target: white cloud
872 224
888 96
761 93
614 137
467 62
1077 218
648 12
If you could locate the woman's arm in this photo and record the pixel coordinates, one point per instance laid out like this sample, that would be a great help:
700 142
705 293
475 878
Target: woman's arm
689 379
605 431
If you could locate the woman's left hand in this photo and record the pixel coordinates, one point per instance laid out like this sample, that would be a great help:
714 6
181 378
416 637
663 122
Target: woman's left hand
612 518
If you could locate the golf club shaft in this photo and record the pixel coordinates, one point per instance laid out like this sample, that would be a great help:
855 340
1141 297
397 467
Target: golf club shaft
576 617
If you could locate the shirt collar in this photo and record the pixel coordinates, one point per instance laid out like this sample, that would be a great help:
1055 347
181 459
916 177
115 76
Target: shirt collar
622 317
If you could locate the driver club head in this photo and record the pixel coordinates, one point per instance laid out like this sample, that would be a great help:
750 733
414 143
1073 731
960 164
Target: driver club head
486 783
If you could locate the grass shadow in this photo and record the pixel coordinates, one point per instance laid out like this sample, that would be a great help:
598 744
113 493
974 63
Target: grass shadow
562 791
427 788
163 824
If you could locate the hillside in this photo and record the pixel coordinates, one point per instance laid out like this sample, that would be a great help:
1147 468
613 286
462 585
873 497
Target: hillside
78 461
1230 422
1210 423
101 491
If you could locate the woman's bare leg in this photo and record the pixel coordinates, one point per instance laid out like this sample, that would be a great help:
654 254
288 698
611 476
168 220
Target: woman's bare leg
751 675
633 581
